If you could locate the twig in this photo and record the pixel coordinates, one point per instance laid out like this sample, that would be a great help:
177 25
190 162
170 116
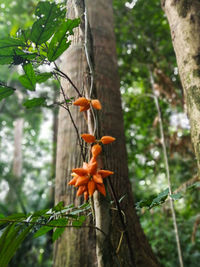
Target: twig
50 225
71 117
69 80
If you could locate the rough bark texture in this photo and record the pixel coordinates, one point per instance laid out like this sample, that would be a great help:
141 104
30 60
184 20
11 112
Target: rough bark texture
74 247
184 21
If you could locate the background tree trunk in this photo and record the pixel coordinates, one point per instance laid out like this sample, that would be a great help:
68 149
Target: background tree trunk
184 22
76 246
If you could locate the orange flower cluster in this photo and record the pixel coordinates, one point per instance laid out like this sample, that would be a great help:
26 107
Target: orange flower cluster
89 178
84 103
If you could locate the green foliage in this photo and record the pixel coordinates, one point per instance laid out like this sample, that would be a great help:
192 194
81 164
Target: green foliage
34 102
49 17
5 91
28 80
59 42
18 226
30 47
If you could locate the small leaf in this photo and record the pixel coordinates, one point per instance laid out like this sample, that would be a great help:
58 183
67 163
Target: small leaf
57 233
160 198
59 42
10 43
176 196
5 91
43 77
34 102
79 221
42 231
59 206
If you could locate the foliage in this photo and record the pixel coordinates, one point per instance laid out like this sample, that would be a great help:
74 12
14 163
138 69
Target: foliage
16 227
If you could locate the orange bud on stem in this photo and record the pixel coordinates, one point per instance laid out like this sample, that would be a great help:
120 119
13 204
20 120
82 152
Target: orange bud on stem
81 101
107 139
88 138
96 104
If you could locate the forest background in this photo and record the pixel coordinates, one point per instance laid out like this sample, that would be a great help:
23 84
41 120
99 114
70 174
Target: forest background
143 43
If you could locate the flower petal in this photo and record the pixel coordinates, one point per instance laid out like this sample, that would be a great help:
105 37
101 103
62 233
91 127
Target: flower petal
81 101
73 181
97 178
81 190
101 189
91 187
105 173
107 139
80 171
96 104
82 180
89 138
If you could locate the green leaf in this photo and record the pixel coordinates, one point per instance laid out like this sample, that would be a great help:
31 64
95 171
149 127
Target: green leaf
15 56
176 196
34 102
59 206
43 77
13 241
160 198
10 43
42 231
79 221
50 16
59 42
28 80
5 91
57 233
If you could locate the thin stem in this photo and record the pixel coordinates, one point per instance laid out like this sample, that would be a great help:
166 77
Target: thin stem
69 80
167 172
87 53
57 226
71 117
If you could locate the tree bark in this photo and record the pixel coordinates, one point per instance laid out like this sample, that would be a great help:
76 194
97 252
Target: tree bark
76 247
184 22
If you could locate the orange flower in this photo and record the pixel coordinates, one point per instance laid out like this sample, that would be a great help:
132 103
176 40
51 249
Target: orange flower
89 179
96 104
81 101
88 138
84 103
107 139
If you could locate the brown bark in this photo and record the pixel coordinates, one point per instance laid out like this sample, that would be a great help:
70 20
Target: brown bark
74 247
184 21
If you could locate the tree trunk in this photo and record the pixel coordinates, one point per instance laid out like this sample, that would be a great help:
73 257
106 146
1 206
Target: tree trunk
184 21
76 247
13 196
